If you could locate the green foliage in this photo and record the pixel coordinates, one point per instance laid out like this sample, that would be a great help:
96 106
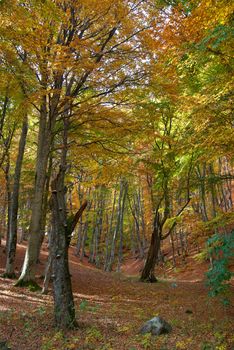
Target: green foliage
146 341
170 222
52 342
220 248
207 346
216 37
31 285
84 305
202 256
93 335
41 310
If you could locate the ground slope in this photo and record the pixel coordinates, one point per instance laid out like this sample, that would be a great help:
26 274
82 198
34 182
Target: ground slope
110 310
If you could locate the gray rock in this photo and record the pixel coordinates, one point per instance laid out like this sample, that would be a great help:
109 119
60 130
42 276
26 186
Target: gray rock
156 326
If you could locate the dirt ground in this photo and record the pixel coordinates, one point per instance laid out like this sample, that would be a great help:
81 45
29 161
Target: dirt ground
111 307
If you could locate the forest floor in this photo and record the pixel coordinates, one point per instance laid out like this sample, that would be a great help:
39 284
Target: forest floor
111 307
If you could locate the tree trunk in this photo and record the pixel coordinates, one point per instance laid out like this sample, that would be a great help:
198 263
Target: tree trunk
120 253
27 276
116 231
147 274
44 207
135 213
80 233
85 230
48 269
64 309
109 233
9 194
11 251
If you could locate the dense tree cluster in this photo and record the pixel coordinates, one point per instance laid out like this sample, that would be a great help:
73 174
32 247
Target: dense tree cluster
116 132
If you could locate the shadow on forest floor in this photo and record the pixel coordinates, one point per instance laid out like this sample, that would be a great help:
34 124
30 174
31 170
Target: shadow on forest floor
110 310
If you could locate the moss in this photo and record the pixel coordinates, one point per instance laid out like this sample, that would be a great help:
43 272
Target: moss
9 275
31 285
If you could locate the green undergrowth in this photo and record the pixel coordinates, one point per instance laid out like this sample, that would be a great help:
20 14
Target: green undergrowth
31 285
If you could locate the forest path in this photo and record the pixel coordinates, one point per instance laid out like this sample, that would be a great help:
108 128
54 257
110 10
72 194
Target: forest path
110 310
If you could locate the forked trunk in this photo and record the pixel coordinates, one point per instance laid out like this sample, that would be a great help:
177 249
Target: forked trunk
64 309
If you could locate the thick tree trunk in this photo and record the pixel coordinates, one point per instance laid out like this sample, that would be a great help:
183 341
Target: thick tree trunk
27 276
11 251
64 309
147 274
62 228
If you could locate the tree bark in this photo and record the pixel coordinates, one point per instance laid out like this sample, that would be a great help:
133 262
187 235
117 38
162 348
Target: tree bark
64 309
147 274
9 197
117 227
11 251
27 276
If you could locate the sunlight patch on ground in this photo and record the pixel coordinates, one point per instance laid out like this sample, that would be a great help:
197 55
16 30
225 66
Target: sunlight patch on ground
4 308
89 297
9 295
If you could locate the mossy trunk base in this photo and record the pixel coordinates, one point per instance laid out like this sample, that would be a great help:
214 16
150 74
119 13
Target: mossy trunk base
11 276
31 285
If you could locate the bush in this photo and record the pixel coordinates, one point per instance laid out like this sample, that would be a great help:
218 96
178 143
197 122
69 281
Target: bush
220 248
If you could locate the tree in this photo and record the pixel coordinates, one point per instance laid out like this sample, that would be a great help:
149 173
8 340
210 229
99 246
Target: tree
171 170
11 249
86 52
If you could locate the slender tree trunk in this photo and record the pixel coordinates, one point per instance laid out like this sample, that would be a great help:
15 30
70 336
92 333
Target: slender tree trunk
44 207
202 191
3 221
177 243
80 233
133 240
11 251
173 249
136 217
99 225
48 273
48 269
109 233
85 230
9 197
142 214
213 192
120 253
116 231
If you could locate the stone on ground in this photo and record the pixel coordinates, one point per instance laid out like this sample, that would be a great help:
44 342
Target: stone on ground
156 326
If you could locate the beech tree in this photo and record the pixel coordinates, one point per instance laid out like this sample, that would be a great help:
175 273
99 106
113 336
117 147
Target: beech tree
127 110
86 51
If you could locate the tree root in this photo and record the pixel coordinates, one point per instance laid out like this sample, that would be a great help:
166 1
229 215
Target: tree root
31 285
11 276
